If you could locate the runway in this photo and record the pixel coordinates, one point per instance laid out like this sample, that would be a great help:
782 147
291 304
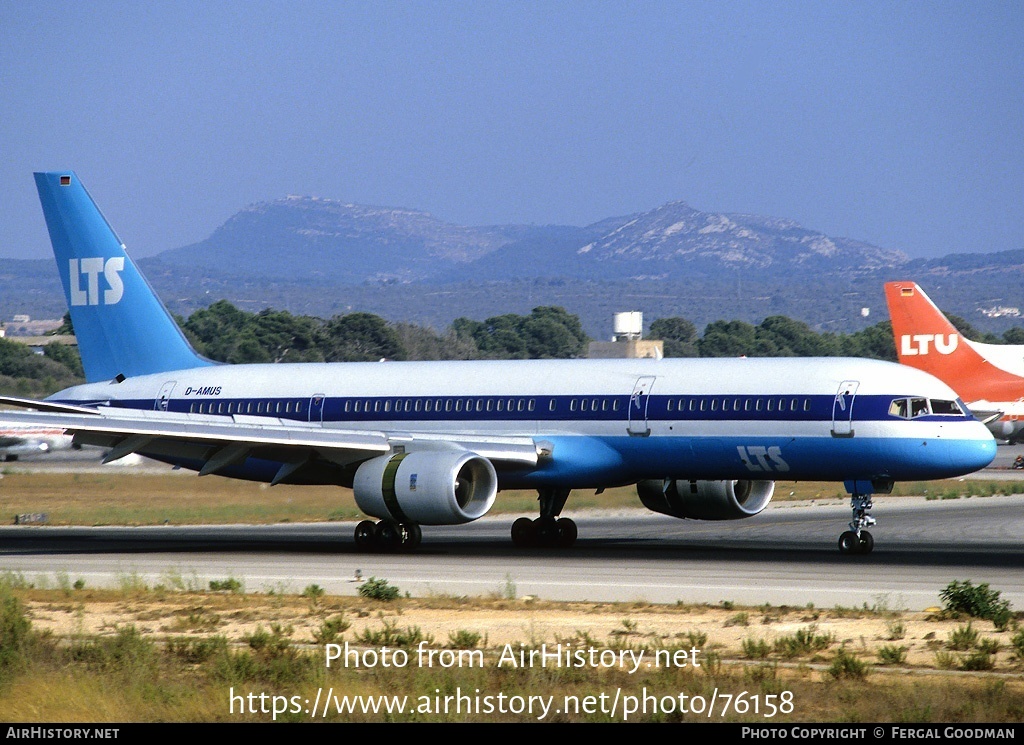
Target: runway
785 556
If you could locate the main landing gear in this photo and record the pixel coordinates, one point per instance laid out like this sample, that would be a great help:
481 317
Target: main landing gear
856 540
549 530
385 535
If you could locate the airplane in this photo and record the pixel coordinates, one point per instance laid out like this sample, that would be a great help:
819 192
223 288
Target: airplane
432 443
18 440
990 377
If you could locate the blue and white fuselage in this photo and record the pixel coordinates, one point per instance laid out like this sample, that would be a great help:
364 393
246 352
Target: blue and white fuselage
607 422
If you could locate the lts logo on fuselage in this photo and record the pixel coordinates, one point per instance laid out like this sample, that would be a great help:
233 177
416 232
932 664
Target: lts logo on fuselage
911 345
91 269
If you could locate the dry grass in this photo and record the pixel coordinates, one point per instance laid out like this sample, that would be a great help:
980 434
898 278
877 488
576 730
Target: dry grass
158 684
182 498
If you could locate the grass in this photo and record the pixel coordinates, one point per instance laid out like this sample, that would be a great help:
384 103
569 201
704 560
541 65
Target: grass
182 498
175 656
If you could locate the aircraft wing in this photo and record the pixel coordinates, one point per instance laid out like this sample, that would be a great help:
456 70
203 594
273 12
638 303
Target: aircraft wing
986 415
220 441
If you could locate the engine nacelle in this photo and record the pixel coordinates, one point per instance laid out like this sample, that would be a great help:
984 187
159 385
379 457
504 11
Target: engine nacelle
429 487
706 500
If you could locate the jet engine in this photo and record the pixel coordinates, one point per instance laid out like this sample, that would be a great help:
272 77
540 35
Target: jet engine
427 487
706 500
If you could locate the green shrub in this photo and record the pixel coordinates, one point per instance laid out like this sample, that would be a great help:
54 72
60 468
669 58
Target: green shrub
331 630
803 641
756 649
313 592
463 639
378 589
15 629
963 638
964 598
1017 642
848 665
225 585
392 636
890 654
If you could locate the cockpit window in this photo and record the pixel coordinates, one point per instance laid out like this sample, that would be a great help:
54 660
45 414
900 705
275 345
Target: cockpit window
898 407
918 407
946 408
912 408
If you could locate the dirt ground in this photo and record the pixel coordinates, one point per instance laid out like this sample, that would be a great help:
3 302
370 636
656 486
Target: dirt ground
496 622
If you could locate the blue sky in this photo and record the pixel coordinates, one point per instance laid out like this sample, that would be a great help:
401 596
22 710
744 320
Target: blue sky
897 123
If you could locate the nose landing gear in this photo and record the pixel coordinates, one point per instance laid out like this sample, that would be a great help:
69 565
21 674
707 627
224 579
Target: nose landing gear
857 540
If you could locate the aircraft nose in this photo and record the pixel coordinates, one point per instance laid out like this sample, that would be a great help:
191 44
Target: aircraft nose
977 453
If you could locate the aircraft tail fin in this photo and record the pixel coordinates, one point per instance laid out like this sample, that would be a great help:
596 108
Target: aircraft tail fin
926 339
122 327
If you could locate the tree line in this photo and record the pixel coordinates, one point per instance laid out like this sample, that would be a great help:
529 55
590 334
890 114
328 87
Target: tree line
225 333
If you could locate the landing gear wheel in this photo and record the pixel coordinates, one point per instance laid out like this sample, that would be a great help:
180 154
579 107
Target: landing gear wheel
547 531
366 536
849 543
524 532
867 542
388 535
567 532
411 535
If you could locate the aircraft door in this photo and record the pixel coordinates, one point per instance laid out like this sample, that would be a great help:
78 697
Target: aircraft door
842 409
637 426
164 397
316 407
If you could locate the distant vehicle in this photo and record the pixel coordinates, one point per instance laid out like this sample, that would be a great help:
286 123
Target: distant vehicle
989 377
431 443
19 439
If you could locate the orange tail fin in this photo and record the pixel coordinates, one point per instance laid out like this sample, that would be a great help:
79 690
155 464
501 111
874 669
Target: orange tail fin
925 339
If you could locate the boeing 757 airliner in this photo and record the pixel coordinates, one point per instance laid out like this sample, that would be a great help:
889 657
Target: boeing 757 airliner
432 443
